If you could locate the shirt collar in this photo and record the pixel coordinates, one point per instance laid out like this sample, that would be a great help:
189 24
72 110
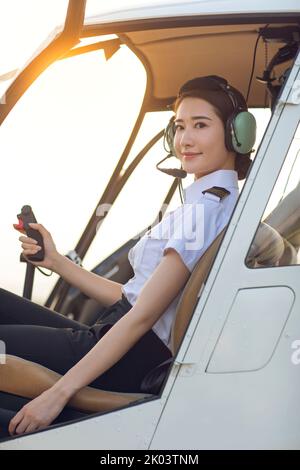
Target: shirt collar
223 178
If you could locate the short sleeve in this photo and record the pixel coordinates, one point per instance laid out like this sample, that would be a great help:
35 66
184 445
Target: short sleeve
195 229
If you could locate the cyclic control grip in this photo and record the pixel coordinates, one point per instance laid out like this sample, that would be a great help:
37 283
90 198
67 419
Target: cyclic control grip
25 217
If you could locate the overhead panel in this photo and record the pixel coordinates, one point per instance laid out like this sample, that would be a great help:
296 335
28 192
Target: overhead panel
176 55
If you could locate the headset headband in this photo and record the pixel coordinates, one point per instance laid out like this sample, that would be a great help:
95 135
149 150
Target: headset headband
213 83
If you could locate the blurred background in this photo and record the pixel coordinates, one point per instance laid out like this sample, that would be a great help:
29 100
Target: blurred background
62 140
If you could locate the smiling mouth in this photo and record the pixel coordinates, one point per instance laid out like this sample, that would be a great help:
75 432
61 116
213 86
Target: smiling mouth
187 156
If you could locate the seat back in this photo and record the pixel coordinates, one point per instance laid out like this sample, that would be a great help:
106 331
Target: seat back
189 296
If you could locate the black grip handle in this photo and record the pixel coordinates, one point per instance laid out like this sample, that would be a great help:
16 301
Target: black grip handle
26 217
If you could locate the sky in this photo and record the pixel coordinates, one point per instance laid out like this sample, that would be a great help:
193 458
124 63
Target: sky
76 112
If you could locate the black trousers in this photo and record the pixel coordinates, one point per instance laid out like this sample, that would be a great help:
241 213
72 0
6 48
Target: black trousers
39 334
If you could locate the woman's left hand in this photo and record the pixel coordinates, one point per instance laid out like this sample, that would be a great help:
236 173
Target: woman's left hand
38 413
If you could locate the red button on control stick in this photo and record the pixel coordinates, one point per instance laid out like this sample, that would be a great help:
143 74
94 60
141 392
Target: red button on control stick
19 226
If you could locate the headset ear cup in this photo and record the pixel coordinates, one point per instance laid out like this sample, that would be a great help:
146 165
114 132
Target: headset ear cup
240 129
245 132
169 136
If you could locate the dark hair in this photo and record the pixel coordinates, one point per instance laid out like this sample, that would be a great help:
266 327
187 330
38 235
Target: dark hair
223 107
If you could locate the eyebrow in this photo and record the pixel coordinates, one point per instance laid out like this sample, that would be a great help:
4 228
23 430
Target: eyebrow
194 118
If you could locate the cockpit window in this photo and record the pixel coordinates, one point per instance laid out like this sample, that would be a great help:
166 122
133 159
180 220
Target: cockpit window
277 240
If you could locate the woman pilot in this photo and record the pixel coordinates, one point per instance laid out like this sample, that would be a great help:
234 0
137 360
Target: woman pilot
212 135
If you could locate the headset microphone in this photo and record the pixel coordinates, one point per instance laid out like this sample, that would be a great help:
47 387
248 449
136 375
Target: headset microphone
171 171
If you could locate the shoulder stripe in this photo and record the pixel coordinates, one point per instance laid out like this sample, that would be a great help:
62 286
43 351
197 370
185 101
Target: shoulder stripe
221 193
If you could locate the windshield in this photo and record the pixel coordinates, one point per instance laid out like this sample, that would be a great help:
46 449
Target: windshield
24 25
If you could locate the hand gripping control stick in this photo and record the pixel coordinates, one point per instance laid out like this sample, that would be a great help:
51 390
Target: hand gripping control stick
25 217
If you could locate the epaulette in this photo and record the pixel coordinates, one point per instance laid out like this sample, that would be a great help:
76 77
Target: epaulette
217 192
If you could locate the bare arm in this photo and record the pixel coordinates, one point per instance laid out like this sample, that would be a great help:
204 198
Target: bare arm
94 286
159 291
97 287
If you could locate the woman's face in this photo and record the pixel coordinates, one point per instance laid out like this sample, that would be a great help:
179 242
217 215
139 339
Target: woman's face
200 139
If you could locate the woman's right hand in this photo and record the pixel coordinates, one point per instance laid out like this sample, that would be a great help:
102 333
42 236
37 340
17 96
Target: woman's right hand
30 247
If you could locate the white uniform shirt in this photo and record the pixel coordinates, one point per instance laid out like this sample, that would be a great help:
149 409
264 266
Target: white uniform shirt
190 230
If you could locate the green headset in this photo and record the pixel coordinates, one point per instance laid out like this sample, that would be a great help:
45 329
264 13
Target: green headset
240 127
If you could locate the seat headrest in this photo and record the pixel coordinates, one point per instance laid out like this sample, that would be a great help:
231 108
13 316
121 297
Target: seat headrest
285 218
266 248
